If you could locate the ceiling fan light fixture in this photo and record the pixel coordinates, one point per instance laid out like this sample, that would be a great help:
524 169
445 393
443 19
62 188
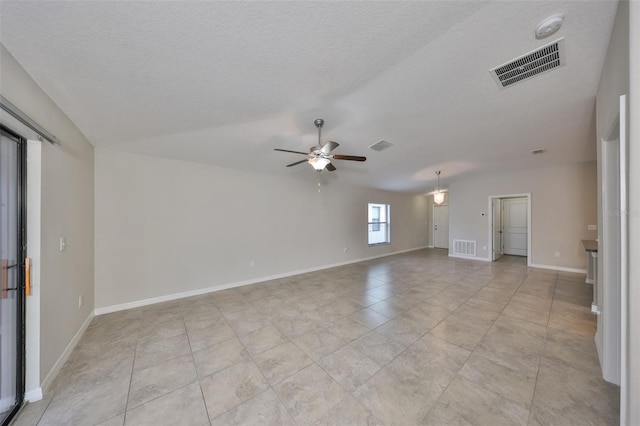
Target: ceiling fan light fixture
318 163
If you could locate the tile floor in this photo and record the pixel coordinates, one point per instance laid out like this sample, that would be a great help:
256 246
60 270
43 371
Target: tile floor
415 338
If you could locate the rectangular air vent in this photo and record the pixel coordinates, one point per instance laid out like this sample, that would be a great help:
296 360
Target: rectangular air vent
464 247
381 145
530 64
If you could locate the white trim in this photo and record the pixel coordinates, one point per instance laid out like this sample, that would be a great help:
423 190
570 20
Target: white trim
558 268
598 341
526 195
611 241
430 246
459 256
182 295
33 391
33 395
66 353
624 263
533 265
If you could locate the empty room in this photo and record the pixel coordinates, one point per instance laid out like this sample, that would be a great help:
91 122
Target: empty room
319 213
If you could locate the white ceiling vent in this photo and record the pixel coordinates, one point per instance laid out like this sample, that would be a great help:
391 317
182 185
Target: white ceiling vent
381 145
541 60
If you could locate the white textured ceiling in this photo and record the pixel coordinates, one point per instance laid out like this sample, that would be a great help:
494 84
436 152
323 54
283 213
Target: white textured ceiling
226 82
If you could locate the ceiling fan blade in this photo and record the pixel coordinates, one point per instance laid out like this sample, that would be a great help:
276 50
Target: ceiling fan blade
330 167
287 150
329 146
349 157
296 163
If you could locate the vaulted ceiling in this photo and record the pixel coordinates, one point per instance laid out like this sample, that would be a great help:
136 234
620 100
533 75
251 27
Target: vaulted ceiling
227 82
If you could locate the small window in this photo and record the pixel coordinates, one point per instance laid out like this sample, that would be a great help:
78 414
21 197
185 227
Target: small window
375 218
378 224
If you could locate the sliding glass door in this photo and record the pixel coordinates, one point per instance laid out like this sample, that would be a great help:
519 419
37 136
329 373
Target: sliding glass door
12 258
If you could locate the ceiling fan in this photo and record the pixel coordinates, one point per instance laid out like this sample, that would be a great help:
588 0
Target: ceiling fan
320 156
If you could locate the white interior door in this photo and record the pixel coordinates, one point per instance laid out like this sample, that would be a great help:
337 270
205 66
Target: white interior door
496 224
514 226
441 226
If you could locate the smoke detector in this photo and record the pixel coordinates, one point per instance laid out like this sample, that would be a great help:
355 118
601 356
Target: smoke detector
549 26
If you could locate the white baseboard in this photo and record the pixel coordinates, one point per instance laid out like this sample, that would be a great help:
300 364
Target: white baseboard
33 395
458 256
533 265
558 268
596 338
51 375
182 295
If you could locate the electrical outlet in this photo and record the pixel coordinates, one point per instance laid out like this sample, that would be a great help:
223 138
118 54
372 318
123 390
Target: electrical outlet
80 301
557 254
253 264
63 243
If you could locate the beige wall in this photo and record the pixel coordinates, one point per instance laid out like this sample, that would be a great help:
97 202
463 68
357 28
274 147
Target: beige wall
66 210
165 226
563 203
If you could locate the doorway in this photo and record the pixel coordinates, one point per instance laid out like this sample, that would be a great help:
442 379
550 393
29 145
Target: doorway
514 226
510 226
12 260
441 226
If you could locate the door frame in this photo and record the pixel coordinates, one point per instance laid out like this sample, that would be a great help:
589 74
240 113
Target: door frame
526 195
492 253
21 296
612 333
610 297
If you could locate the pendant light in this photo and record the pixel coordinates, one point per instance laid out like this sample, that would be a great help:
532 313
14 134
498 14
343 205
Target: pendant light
438 197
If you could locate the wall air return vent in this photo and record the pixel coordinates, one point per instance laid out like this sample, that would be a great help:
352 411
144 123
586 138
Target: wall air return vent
541 60
381 145
464 248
